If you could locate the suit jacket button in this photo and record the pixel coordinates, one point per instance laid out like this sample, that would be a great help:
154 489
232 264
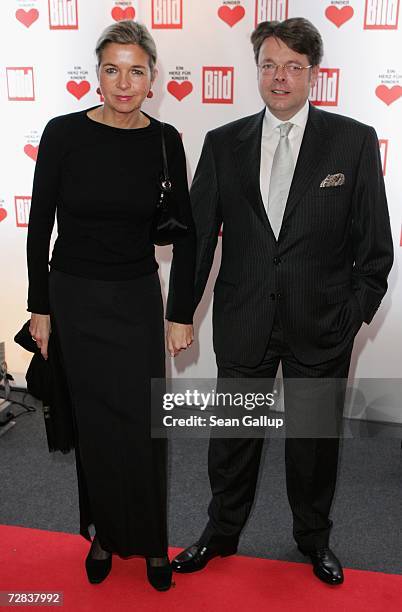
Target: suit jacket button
277 260
279 296
272 296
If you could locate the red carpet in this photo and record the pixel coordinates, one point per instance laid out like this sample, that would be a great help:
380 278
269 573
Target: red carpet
34 560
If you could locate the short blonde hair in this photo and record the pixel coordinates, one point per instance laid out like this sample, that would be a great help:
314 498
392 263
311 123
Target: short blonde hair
128 32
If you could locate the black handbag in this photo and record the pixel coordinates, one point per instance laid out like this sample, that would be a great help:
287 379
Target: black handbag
167 225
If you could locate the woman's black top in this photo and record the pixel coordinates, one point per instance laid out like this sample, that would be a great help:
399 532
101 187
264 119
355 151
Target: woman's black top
103 183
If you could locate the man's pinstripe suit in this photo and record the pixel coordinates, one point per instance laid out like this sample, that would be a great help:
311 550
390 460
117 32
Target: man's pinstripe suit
299 300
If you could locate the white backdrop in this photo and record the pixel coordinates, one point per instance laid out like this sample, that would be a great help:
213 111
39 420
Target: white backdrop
207 77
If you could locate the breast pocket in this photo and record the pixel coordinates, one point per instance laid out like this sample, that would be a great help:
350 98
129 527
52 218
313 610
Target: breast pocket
331 192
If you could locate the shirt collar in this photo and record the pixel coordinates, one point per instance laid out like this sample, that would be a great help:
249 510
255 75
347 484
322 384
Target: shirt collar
299 119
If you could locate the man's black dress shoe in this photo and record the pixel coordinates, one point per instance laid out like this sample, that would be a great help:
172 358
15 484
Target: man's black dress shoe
325 565
196 557
97 569
160 576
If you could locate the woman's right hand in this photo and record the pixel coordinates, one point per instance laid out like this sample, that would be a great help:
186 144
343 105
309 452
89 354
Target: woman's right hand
40 329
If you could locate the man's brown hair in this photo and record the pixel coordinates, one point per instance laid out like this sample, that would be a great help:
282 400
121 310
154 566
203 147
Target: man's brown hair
297 33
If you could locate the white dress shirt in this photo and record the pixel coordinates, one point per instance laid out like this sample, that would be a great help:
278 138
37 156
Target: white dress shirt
270 140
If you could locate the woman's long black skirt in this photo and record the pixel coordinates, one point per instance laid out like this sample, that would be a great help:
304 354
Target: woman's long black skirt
111 338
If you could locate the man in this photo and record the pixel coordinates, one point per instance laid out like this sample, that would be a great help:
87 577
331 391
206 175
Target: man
306 252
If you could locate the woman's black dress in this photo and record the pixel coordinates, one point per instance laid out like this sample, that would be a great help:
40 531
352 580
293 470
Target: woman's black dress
104 297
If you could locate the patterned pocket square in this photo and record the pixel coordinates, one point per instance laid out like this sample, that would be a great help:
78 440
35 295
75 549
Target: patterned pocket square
333 180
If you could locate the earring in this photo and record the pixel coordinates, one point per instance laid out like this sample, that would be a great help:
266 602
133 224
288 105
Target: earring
150 94
98 91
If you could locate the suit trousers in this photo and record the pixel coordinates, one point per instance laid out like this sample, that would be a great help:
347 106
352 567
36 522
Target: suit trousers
311 462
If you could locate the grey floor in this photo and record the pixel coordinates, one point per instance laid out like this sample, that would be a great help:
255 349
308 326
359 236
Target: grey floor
38 489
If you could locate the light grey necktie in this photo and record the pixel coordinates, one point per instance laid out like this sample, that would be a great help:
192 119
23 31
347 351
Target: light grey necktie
281 178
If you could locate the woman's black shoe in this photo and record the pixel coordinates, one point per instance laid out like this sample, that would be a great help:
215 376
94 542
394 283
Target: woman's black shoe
160 576
97 569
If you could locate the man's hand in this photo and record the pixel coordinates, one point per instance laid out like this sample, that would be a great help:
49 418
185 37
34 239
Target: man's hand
39 328
179 336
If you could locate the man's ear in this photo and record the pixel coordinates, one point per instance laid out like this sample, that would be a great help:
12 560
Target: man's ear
315 71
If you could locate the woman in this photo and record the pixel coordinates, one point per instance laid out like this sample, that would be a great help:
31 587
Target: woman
100 169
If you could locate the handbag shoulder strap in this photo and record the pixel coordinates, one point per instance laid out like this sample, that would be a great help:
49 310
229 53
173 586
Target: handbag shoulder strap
164 154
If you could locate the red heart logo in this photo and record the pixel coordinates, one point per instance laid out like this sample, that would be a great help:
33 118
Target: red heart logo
3 214
339 16
118 13
180 90
31 151
27 17
78 90
231 15
388 94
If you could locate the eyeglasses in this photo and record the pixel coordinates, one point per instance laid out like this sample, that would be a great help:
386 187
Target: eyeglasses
294 70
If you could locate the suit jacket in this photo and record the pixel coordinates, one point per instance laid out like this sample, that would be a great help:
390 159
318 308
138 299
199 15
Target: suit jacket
327 272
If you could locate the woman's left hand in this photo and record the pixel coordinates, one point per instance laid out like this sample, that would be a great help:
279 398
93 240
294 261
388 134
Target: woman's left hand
179 336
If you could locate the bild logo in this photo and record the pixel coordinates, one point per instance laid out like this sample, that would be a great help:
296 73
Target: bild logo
217 85
63 14
325 91
270 10
20 84
167 14
22 208
381 14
